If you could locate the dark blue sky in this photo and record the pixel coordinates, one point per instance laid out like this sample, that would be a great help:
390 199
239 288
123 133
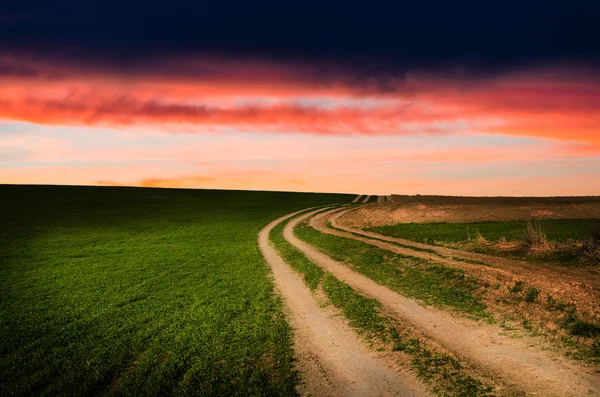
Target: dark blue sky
377 37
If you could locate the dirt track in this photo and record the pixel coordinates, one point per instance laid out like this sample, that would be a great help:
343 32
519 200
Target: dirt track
331 358
522 268
516 361
565 283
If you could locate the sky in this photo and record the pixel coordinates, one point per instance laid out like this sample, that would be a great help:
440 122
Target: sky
429 97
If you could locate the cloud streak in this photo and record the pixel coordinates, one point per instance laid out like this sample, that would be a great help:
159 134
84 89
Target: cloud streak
212 94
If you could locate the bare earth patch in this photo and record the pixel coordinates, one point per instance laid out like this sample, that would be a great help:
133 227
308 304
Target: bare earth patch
423 209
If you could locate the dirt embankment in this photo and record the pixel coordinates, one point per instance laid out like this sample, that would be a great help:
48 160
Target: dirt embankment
424 209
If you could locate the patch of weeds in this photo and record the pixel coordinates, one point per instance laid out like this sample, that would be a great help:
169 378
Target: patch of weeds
579 327
556 305
596 347
440 367
517 288
534 238
583 328
531 295
527 324
470 386
567 341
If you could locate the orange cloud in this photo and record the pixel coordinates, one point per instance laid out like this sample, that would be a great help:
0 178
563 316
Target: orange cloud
260 96
94 110
191 181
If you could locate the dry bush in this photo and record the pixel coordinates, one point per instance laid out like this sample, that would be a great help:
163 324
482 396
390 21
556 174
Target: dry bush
533 238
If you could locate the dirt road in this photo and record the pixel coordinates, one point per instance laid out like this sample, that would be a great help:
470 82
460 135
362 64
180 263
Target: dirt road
356 198
498 262
366 199
562 282
520 364
331 358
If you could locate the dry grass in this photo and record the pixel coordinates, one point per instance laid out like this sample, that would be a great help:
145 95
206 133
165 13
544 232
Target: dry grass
534 238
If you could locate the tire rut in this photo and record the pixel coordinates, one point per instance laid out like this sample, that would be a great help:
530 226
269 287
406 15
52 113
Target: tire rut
518 363
519 268
331 358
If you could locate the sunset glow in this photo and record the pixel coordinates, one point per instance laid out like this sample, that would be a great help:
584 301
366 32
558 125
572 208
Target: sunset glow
221 121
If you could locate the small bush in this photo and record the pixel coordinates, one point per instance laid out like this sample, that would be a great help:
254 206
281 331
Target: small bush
596 347
585 328
532 295
534 238
518 287
553 305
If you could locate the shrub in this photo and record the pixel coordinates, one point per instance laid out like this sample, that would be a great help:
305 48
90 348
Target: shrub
534 238
532 295
585 328
518 287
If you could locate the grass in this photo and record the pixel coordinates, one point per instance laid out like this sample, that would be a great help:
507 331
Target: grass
312 273
532 295
361 312
434 284
567 241
560 230
442 367
568 321
125 291
364 314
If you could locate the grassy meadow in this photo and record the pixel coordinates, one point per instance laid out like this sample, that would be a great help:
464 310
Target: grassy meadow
130 291
566 241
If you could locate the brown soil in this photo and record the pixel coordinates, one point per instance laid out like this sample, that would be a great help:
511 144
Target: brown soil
520 363
422 209
331 359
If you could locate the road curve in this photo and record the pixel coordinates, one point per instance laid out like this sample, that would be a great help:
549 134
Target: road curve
561 279
331 358
519 365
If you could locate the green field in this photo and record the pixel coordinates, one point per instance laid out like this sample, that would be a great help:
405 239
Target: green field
561 230
129 291
566 241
